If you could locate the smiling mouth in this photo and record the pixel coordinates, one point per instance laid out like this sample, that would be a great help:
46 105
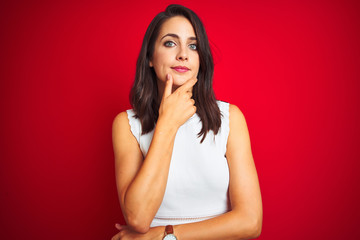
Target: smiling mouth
180 69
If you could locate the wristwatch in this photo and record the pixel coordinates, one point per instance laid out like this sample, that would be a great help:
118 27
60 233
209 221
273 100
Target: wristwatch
169 233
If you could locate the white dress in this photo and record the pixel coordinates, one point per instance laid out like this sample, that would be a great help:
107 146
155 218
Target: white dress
198 182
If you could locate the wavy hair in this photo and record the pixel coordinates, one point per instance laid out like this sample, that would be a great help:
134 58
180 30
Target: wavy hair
144 96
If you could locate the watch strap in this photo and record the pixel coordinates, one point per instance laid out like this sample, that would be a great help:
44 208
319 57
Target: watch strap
169 229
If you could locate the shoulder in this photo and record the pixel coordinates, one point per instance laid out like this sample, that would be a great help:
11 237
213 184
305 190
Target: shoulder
120 119
124 142
230 107
127 124
121 122
238 128
237 121
235 112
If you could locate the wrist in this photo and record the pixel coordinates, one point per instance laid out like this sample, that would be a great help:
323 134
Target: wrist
159 232
169 233
163 127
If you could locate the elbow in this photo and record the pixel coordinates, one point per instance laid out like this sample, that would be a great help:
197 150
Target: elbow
256 231
254 228
250 228
138 225
137 221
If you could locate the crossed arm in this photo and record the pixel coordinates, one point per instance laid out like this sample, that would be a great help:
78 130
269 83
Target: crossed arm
141 182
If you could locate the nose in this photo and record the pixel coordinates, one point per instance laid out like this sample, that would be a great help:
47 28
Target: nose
182 55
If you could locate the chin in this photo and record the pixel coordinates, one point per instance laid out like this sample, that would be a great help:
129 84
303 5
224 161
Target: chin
180 80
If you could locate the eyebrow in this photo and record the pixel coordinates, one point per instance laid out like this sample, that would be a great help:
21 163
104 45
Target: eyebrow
176 36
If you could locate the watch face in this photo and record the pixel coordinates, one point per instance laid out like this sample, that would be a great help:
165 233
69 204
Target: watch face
170 237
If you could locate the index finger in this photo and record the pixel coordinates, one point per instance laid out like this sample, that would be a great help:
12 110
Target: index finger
168 86
187 85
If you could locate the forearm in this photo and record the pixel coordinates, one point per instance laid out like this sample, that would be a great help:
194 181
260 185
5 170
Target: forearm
143 191
144 195
231 225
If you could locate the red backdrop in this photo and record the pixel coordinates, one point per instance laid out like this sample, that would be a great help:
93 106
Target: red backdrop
66 70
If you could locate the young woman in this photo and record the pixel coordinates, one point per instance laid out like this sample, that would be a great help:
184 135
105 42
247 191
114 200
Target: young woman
184 167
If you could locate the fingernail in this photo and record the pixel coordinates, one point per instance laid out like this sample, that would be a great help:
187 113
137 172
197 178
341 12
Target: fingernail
167 76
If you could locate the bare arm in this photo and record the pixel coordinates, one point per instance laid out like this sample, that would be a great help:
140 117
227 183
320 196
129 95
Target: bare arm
244 221
141 182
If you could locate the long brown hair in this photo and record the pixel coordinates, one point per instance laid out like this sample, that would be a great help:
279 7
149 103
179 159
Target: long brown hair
144 93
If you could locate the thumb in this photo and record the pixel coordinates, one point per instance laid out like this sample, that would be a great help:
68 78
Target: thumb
168 86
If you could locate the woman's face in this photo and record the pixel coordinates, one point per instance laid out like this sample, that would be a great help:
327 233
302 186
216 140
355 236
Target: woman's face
175 52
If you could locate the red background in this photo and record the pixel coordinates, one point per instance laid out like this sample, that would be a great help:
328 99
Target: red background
66 70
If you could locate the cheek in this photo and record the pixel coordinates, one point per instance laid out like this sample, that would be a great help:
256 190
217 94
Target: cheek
160 62
161 57
196 65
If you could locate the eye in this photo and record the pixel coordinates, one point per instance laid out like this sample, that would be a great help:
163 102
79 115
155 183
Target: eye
169 44
193 46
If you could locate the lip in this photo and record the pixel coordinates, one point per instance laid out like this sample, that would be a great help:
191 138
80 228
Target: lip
180 69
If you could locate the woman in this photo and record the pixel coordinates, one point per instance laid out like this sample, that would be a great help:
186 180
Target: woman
184 167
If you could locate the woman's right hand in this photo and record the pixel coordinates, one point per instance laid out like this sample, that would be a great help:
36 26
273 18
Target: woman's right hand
177 107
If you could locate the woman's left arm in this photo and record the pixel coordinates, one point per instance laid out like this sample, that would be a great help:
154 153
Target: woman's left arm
244 221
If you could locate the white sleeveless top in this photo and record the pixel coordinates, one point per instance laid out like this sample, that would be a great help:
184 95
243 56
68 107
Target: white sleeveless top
198 181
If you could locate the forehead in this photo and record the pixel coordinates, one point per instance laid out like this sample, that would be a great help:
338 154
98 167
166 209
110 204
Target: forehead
178 25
